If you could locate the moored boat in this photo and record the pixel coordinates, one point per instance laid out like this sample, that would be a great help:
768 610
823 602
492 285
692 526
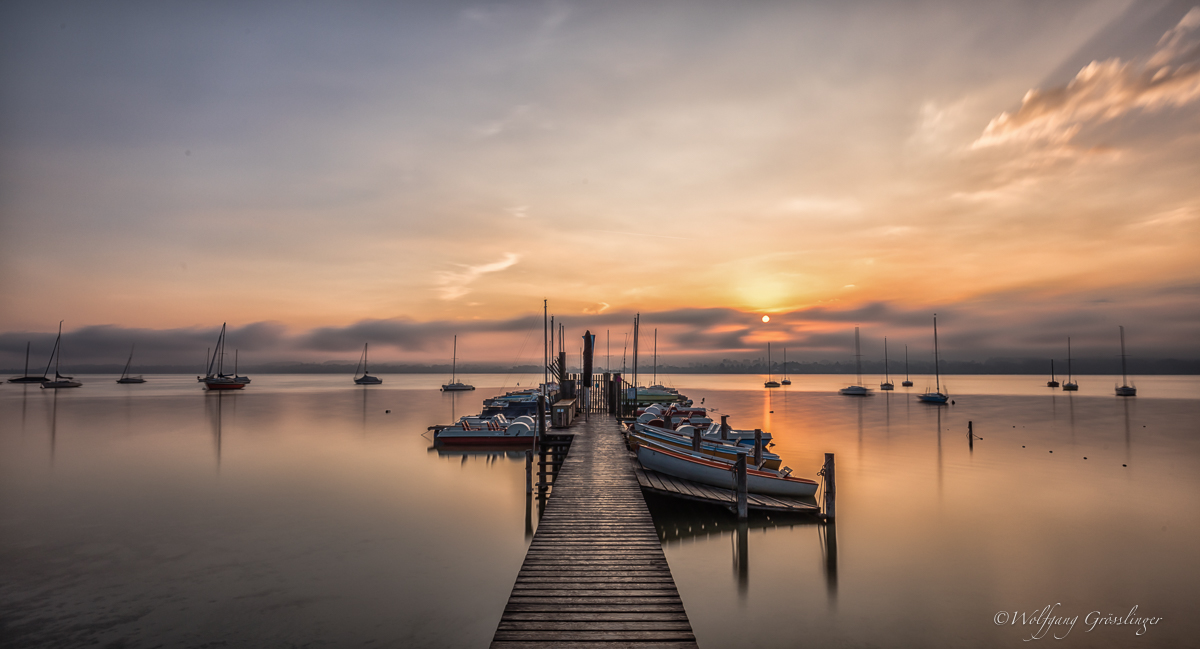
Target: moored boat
936 396
455 385
643 434
26 377
126 378
1124 390
59 381
887 376
366 378
1070 385
856 390
721 474
216 379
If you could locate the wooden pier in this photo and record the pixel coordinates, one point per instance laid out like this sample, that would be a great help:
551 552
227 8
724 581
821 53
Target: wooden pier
595 575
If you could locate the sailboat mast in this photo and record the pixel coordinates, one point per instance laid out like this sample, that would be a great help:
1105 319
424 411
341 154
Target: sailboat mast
27 343
937 377
546 348
365 346
59 347
857 357
54 351
1124 378
785 362
128 362
906 362
886 376
454 362
656 356
768 361
1068 359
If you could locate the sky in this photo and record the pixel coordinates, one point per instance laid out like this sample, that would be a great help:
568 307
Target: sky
321 175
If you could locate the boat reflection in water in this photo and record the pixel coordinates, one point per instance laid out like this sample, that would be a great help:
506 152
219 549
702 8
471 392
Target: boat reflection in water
677 520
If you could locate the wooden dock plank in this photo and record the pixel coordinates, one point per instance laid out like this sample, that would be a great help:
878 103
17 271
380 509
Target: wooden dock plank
595 574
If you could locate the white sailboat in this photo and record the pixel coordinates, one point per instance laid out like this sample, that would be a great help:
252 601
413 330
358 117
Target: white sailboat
365 379
937 396
454 385
856 390
1070 385
786 380
125 377
907 381
887 377
59 381
1124 390
769 383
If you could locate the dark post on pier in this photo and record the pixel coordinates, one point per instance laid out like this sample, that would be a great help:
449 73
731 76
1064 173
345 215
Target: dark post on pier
743 507
830 488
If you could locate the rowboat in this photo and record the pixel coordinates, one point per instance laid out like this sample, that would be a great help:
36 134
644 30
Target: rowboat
727 452
720 474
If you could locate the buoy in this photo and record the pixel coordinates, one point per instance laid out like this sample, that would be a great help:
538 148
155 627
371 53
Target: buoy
1124 465
1085 457
1022 446
1051 451
388 411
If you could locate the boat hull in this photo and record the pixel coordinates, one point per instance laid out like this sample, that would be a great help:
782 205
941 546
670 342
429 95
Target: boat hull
719 474
61 384
224 385
723 452
368 380
886 386
854 391
457 387
131 379
933 397
907 384
1126 391
1070 387
29 379
771 384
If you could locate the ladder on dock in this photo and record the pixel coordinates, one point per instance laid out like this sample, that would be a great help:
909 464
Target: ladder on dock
595 572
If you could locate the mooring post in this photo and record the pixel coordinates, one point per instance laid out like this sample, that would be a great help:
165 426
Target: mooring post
758 450
740 469
830 488
695 439
724 427
528 470
541 422
541 438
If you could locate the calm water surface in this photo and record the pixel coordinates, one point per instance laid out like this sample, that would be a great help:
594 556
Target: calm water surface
300 513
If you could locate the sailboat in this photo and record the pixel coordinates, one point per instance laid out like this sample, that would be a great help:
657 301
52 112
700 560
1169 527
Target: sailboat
59 381
887 377
125 377
365 379
786 380
1052 383
219 380
207 352
25 377
454 385
1070 385
938 396
1125 390
769 383
907 382
856 390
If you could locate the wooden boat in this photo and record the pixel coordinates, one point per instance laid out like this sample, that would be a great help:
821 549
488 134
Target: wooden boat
1070 385
936 397
59 381
218 380
887 377
365 379
454 385
769 383
786 380
494 431
643 434
1124 390
1052 383
721 474
907 382
856 390
25 376
125 377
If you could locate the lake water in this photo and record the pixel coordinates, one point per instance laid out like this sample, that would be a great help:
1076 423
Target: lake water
301 513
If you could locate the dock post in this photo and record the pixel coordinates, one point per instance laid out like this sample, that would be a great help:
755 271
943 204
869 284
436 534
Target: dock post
541 438
541 420
758 449
528 470
695 439
742 506
971 435
830 489
724 427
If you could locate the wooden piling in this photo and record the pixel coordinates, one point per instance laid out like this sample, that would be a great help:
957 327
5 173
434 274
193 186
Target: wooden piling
739 470
528 470
695 439
758 447
830 487
724 427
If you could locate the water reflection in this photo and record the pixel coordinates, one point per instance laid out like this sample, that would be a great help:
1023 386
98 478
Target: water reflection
829 550
53 426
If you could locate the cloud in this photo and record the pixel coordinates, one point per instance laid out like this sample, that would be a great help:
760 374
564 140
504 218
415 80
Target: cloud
1104 91
453 284
821 205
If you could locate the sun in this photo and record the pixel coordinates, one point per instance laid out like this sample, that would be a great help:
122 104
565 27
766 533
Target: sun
766 318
